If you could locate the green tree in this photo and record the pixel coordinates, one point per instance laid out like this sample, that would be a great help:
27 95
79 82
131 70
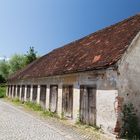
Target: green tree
2 79
4 69
16 63
31 55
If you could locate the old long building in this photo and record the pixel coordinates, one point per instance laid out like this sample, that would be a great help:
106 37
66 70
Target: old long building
89 79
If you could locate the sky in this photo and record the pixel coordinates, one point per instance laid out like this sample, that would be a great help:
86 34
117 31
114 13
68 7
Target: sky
49 24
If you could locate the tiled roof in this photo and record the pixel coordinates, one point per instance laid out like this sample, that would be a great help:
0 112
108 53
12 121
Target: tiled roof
95 51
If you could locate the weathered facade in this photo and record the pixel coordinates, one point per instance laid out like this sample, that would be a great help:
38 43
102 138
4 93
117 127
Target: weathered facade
89 79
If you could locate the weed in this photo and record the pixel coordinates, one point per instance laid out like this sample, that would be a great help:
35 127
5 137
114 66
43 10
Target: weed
130 129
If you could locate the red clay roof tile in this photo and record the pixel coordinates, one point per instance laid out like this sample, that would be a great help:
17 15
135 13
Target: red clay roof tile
95 51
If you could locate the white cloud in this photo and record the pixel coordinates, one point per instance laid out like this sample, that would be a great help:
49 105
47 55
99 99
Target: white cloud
6 58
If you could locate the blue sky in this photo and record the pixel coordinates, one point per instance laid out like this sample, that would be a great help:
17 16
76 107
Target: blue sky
49 24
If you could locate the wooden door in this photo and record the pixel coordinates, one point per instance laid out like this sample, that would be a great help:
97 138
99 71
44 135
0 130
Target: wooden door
34 93
83 105
8 90
88 105
67 103
18 91
22 93
14 94
11 90
43 95
91 105
28 92
53 98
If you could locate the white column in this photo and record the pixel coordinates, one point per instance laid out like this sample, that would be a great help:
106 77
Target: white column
76 101
38 94
47 96
16 91
20 92
7 90
59 106
13 91
25 94
31 93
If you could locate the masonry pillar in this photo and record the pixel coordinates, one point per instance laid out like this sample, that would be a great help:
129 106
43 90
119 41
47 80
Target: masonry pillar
20 92
47 96
38 94
25 94
59 107
31 93
76 101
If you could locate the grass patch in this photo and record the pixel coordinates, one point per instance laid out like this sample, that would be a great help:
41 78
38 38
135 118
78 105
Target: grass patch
94 130
2 91
50 114
34 106
80 124
16 101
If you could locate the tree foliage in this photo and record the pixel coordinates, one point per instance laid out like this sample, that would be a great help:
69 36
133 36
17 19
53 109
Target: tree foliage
16 63
2 79
4 69
31 55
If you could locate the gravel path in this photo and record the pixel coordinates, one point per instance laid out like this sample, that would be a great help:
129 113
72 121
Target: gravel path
18 125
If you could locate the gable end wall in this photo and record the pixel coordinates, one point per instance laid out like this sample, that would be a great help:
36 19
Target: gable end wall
129 78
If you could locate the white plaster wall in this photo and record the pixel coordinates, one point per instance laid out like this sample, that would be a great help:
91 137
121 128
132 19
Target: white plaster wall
106 115
129 78
106 94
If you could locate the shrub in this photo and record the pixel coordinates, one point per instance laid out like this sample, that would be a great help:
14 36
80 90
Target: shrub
130 128
2 91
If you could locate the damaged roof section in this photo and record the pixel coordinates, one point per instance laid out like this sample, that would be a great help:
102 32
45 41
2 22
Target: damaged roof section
95 51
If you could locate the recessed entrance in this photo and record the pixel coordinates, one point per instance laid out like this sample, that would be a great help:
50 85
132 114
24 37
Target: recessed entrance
43 95
67 102
53 98
34 93
28 92
88 104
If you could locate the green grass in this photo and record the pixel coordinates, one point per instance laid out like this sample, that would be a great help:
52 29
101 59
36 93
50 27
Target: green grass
2 91
16 101
50 114
33 106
